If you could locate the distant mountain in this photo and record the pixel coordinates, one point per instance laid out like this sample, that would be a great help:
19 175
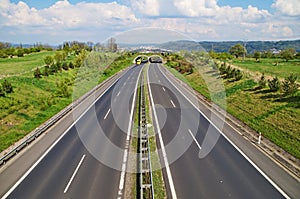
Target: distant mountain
223 46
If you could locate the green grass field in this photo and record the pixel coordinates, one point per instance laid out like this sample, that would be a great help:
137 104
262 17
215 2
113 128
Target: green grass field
268 66
17 65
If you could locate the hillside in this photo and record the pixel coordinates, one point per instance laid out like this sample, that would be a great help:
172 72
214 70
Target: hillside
223 46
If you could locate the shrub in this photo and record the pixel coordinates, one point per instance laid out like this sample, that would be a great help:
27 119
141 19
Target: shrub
238 75
262 82
274 84
37 73
7 87
289 85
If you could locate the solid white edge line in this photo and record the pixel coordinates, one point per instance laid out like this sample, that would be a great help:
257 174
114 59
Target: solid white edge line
75 172
124 163
194 139
52 146
238 149
172 103
106 114
171 183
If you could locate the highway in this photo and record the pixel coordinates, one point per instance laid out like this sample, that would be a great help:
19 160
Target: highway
226 172
87 158
79 164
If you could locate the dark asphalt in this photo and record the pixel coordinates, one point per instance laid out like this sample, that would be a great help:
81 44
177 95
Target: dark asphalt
94 179
223 173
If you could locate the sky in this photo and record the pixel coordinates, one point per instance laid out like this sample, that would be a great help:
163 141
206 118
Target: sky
53 21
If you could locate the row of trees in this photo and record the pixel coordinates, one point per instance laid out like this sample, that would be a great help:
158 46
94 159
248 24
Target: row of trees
287 54
288 86
76 47
56 63
239 50
7 50
228 72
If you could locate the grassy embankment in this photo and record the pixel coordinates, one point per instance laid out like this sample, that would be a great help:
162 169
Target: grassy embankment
36 100
269 66
21 65
276 116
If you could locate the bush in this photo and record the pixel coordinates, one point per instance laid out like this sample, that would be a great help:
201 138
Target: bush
37 73
262 82
274 84
71 65
289 85
238 75
7 87
65 66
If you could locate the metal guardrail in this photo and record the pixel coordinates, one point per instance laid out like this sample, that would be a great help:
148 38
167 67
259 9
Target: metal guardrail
41 129
146 190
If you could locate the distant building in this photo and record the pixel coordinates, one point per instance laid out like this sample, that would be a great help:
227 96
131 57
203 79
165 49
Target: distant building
275 51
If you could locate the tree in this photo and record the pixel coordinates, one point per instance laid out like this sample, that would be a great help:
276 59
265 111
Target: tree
7 87
20 53
274 84
289 85
262 82
37 73
288 54
237 50
48 60
59 57
62 89
257 56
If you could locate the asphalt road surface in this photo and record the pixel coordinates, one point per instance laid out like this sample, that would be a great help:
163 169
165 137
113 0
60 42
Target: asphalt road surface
88 159
224 172
79 164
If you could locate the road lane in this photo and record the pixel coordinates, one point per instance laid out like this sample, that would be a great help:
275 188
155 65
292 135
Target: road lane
93 179
223 173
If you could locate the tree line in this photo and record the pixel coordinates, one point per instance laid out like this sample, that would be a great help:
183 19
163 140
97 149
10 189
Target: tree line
239 50
7 50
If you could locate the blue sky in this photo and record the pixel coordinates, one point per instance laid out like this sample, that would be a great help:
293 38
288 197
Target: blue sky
54 21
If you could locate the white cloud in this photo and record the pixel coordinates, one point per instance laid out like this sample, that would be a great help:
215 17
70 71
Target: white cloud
65 15
278 30
146 7
199 19
195 8
19 14
288 7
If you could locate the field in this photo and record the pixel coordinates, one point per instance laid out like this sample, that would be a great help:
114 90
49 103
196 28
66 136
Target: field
20 65
36 100
269 67
276 116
